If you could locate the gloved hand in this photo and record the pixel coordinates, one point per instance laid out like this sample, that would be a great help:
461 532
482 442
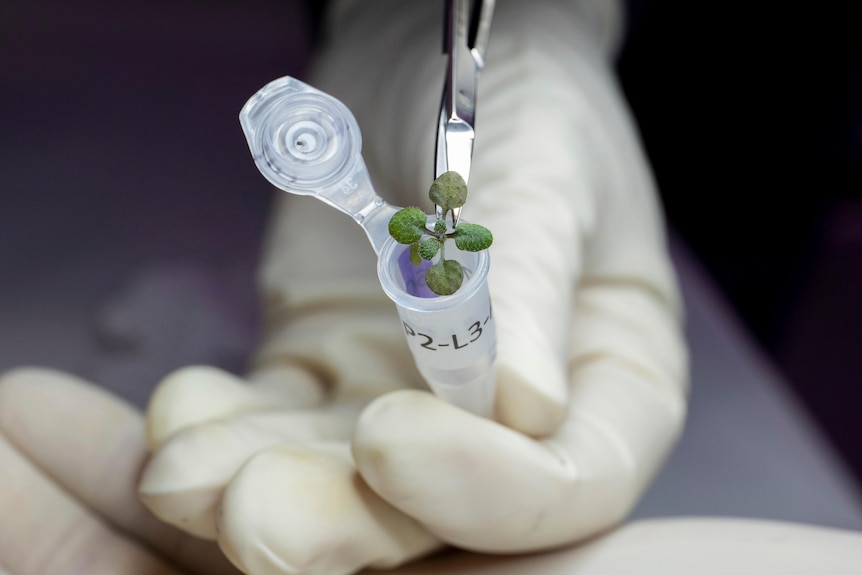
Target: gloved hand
70 456
321 461
69 460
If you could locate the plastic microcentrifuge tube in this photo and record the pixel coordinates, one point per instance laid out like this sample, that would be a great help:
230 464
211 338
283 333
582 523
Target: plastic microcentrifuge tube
453 338
306 142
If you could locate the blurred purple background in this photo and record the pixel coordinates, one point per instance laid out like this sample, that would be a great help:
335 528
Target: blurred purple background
752 118
125 179
123 169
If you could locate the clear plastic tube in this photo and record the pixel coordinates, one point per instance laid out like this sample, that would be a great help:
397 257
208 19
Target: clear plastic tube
306 142
453 338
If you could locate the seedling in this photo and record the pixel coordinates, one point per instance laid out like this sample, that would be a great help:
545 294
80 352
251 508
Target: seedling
410 226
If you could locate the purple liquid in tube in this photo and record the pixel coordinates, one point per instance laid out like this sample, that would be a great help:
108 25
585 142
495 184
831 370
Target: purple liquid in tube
414 276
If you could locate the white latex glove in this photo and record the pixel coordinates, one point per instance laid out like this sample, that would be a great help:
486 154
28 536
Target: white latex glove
591 362
69 460
70 457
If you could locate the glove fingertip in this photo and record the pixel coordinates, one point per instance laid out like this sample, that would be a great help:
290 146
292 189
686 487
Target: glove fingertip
294 509
189 396
191 510
522 405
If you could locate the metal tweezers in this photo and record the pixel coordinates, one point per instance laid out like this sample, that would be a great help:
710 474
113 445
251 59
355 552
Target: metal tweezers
465 38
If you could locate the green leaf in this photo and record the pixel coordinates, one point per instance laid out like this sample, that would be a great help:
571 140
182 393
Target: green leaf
415 258
444 277
407 225
449 191
429 248
440 227
472 237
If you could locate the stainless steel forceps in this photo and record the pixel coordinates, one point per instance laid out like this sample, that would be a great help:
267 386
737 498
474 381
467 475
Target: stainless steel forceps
465 38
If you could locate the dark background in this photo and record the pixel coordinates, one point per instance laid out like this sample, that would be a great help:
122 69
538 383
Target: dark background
751 114
119 146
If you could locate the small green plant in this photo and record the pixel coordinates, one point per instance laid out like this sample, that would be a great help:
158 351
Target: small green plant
410 226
